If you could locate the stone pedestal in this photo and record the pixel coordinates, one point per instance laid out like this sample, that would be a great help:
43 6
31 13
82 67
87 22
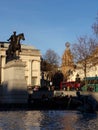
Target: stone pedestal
14 87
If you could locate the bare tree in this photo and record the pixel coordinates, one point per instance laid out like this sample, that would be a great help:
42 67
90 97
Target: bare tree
82 51
95 26
52 57
49 64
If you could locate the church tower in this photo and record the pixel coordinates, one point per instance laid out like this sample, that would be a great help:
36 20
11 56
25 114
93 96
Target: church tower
67 62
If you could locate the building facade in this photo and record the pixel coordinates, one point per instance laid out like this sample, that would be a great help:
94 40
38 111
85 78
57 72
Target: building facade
81 69
90 72
89 69
30 56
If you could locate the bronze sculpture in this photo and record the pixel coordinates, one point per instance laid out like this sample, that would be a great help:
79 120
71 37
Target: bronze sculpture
14 47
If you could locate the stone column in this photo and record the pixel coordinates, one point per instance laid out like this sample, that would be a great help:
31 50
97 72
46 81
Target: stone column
3 60
30 73
39 77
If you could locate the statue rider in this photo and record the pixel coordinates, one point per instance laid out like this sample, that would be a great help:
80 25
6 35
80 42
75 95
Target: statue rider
13 39
14 47
11 50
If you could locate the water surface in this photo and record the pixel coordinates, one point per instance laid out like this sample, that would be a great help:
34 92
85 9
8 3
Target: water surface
47 120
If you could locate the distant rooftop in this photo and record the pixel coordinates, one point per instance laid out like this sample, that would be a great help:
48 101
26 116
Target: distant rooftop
24 46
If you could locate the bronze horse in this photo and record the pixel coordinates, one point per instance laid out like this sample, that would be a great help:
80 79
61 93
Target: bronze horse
15 47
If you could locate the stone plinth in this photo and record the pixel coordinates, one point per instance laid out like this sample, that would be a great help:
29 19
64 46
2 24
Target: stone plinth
14 87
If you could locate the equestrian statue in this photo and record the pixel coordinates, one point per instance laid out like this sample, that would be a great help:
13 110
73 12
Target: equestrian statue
14 47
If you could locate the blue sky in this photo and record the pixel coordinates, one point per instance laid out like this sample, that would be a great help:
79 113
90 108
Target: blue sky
47 24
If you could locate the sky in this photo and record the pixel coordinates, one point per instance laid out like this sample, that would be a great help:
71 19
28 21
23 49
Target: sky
47 24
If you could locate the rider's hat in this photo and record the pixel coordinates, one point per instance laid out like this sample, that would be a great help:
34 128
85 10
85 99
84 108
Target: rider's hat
14 32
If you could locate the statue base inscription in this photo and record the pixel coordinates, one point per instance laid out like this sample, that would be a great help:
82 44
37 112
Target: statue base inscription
14 87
